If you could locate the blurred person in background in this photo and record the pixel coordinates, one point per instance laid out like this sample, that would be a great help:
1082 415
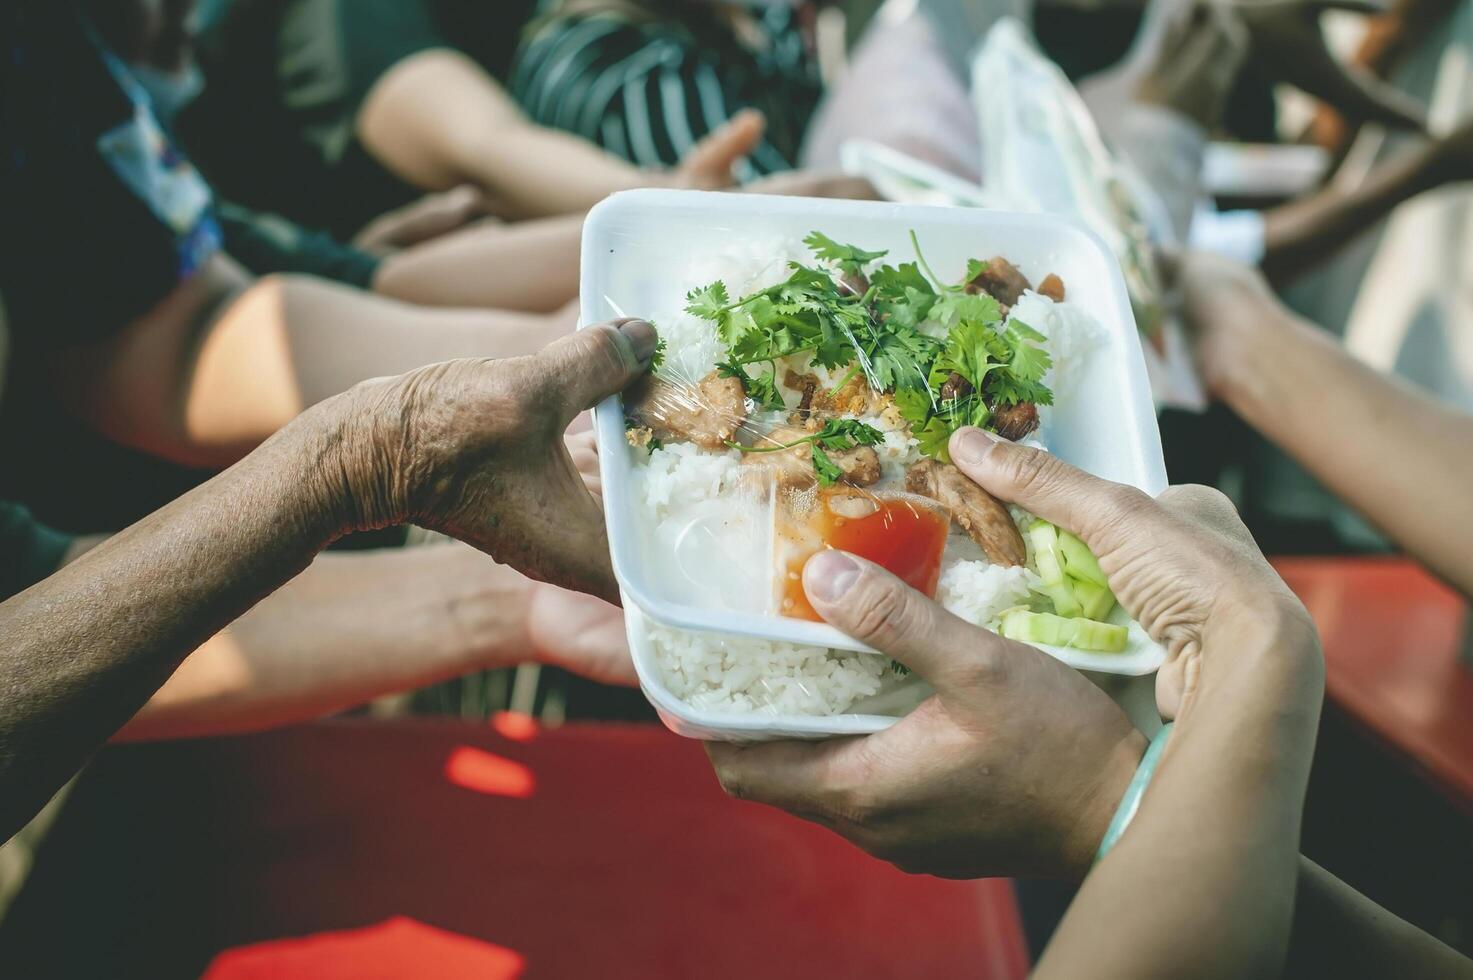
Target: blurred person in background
645 79
263 134
432 250
358 108
1187 851
135 337
473 448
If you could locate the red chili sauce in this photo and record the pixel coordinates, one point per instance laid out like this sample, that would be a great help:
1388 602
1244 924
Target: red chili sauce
901 535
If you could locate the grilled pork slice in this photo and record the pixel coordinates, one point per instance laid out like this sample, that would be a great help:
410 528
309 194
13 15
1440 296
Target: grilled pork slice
1001 280
974 510
708 414
1015 421
793 467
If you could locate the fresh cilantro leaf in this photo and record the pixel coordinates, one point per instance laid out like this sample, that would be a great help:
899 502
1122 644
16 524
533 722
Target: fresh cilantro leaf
933 438
843 434
654 444
657 360
847 257
957 307
708 303
896 280
828 472
762 389
968 351
975 268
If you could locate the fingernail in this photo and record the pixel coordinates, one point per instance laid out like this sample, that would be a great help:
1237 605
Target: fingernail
830 574
642 339
969 445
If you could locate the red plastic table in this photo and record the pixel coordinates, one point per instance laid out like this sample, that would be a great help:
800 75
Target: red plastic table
434 850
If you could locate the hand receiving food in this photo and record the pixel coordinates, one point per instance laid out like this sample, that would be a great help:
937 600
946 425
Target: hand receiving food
1182 565
1231 312
1014 767
475 448
1016 764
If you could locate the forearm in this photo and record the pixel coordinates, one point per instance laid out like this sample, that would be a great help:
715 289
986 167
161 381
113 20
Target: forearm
86 647
439 121
351 628
1303 232
1202 884
530 266
1391 451
530 171
1339 932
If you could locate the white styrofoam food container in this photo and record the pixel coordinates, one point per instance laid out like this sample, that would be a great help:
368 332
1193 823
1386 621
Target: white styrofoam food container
636 248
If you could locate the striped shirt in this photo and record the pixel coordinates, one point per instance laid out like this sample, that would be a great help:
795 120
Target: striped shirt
648 90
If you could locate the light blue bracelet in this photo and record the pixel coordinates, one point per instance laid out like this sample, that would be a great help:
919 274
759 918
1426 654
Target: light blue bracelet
1131 801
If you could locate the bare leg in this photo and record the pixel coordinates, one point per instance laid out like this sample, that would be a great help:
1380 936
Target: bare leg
226 361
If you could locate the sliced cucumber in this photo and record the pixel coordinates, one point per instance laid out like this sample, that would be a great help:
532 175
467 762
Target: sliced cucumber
1097 600
1049 559
1079 561
1058 631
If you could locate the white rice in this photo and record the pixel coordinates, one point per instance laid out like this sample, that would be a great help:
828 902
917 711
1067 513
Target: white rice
740 675
730 674
980 592
682 474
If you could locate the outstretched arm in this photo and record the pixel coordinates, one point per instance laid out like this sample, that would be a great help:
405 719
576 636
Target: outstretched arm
1391 451
469 447
227 360
354 627
1306 231
535 267
86 647
438 120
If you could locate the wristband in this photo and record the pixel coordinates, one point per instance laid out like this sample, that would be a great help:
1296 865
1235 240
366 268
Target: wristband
1131 801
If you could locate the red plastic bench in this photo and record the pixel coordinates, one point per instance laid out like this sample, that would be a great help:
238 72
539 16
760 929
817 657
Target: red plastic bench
1393 638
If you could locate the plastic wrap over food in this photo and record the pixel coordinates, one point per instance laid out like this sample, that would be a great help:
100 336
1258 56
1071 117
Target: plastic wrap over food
815 358
1041 150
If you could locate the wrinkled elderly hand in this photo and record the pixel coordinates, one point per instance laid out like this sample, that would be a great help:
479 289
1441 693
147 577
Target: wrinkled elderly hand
1017 763
475 449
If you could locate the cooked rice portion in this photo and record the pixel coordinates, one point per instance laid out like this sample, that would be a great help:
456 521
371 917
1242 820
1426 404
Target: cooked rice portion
730 674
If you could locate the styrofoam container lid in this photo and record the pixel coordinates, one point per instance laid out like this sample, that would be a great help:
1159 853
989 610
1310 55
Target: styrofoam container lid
636 245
